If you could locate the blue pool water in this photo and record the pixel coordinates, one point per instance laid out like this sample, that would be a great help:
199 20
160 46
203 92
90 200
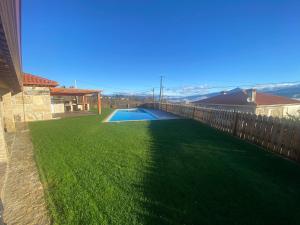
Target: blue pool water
131 114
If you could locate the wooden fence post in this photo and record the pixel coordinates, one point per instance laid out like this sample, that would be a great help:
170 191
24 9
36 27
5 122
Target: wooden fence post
194 112
99 102
236 117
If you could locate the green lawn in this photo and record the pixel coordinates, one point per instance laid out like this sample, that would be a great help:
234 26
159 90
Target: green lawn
160 172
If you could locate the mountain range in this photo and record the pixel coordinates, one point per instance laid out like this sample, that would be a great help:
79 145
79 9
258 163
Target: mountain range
290 91
286 90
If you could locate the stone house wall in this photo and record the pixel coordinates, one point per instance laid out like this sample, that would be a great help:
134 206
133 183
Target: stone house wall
8 116
3 151
33 103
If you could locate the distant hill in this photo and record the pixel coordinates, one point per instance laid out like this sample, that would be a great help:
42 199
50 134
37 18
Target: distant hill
190 98
291 91
194 98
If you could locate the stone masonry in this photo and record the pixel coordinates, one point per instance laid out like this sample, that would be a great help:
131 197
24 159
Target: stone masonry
33 103
21 192
3 152
8 117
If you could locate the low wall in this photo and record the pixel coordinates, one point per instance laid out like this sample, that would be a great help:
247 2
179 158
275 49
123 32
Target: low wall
281 136
8 115
57 107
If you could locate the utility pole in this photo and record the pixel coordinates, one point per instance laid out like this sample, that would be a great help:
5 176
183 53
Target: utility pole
128 101
161 90
75 86
162 94
153 95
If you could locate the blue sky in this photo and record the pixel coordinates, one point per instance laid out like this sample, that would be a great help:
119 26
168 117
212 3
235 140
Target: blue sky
198 46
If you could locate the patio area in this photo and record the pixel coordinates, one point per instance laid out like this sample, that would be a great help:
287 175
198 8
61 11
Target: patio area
161 114
67 102
72 114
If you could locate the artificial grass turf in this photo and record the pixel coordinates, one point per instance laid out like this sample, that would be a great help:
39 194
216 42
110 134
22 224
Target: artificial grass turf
160 172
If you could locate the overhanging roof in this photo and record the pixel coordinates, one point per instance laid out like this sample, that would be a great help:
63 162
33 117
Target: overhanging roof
33 80
71 92
10 45
268 99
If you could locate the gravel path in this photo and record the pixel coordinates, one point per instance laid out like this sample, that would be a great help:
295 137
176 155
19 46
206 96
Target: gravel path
22 192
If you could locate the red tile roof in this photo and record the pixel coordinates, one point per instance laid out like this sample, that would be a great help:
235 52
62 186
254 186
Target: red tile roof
268 99
33 80
236 98
240 98
72 91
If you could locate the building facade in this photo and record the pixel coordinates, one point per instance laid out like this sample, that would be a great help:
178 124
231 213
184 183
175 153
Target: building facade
251 101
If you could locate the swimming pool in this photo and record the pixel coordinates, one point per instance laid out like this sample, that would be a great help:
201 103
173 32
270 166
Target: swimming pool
131 115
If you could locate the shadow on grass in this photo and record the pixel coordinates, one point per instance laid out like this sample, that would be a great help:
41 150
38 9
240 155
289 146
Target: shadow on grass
198 175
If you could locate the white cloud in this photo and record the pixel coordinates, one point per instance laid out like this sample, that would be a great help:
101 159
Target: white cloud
190 90
187 90
274 86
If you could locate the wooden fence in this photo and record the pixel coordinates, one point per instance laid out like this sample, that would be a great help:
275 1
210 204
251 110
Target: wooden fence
281 136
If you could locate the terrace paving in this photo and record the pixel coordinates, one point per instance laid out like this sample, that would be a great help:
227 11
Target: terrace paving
72 114
161 114
2 173
2 178
22 194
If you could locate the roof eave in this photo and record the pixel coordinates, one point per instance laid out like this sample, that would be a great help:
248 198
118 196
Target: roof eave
10 49
72 92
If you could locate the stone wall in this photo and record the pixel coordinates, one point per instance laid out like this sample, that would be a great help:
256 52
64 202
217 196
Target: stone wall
33 103
8 116
3 152
57 107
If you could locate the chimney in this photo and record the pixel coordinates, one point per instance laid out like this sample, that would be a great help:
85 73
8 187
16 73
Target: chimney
251 95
